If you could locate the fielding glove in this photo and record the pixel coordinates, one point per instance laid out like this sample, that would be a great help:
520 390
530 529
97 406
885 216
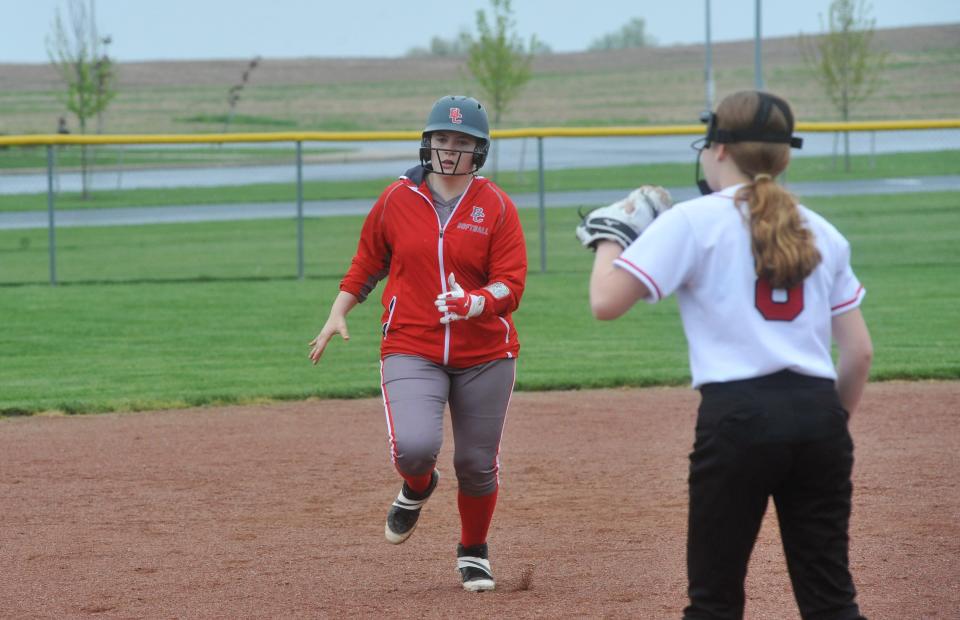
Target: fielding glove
624 220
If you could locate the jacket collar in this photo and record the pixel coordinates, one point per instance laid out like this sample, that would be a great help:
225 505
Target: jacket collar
417 176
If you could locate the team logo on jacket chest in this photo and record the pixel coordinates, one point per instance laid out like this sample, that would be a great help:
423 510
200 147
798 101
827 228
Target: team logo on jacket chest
477 215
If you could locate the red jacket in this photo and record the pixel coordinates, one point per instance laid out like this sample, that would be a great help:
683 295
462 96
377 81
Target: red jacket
482 244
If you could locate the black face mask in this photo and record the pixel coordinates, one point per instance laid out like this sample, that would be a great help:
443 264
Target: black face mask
479 154
460 154
757 132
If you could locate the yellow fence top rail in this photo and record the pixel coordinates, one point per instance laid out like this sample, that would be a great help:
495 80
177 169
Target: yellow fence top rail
374 136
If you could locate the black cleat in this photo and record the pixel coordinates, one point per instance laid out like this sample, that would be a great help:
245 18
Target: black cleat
475 568
405 511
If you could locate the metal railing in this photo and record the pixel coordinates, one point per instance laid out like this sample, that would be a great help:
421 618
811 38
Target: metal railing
298 138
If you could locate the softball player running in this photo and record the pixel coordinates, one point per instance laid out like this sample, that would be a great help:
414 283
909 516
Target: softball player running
763 285
450 244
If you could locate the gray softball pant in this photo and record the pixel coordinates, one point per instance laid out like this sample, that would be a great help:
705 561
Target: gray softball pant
415 391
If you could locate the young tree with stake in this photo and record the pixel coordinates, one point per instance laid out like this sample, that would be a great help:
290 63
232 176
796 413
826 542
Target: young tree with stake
78 54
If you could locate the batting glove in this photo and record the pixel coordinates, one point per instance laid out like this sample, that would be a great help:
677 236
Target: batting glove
457 305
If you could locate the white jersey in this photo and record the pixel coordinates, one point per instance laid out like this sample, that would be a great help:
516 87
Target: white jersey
736 326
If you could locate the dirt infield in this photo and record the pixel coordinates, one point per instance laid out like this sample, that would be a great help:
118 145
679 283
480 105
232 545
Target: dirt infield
277 511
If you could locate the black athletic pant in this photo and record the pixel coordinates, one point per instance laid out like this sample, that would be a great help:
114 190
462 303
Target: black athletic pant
783 435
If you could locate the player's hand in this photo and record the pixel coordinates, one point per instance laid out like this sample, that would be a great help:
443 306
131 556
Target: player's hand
457 305
334 325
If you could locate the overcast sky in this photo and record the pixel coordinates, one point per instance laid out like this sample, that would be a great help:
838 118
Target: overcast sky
188 29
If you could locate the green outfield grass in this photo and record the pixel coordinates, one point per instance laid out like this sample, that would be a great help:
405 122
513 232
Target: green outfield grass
801 169
177 315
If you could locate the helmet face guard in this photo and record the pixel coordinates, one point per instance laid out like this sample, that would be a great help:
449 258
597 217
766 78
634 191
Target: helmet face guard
479 155
459 114
757 132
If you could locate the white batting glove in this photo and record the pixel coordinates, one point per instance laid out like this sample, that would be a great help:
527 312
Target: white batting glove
457 305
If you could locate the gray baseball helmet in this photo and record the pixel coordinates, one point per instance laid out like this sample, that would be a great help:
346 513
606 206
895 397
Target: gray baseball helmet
458 113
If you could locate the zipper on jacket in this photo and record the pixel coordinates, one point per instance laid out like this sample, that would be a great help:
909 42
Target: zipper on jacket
443 275
443 288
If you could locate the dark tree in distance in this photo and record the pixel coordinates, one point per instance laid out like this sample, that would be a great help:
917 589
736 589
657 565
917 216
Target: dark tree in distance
632 34
233 95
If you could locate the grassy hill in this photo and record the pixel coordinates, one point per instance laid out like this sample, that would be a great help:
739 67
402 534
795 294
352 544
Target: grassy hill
643 86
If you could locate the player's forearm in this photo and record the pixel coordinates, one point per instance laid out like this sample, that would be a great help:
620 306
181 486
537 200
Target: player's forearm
343 304
852 373
607 296
855 355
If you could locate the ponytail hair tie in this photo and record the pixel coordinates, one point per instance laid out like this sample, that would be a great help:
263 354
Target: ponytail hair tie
763 176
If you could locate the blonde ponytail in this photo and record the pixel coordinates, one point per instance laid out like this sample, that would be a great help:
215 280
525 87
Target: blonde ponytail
784 251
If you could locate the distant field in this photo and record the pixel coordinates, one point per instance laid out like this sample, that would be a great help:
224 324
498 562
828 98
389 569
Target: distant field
174 315
632 87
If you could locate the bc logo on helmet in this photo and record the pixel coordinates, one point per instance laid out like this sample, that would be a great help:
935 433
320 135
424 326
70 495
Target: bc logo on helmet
456 116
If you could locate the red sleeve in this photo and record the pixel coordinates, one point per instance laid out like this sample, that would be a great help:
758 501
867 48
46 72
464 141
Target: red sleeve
508 262
371 263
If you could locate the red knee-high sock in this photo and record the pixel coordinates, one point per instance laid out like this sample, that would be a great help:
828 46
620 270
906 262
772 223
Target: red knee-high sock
475 516
417 484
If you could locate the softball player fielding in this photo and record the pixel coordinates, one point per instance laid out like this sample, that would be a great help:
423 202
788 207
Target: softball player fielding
449 243
763 285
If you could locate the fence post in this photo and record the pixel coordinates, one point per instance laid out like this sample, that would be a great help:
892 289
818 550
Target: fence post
543 210
51 228
300 210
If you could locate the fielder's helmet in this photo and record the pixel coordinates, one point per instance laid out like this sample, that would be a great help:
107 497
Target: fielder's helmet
458 113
